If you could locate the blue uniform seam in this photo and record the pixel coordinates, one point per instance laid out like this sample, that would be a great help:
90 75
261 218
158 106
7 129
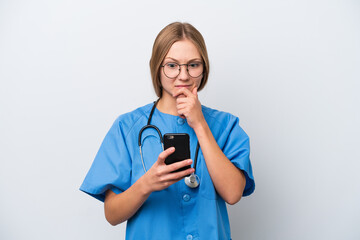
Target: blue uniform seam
222 126
138 119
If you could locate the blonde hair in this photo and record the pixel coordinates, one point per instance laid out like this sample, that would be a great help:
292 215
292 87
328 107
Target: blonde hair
172 33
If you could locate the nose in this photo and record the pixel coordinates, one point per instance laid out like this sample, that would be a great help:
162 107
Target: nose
183 75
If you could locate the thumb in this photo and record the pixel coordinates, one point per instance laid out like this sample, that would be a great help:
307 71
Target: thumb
163 155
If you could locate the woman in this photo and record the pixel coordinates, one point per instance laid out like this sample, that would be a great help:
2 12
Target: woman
139 187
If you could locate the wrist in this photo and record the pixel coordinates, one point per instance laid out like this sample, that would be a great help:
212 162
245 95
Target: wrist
200 127
143 187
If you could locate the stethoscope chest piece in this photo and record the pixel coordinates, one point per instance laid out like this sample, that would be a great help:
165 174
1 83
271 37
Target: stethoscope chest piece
192 181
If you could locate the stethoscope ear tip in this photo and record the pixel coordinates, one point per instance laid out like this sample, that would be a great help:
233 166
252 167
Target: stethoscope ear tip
192 181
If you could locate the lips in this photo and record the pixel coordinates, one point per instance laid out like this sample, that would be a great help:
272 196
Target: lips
183 86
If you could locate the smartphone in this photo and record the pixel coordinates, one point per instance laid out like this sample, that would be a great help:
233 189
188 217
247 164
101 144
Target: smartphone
181 142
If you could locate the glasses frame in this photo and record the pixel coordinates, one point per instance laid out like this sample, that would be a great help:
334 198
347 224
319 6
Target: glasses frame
187 69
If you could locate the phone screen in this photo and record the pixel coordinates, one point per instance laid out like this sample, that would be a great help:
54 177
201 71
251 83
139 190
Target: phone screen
181 142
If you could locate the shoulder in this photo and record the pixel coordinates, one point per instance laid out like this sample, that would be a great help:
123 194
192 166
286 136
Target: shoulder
128 120
222 123
217 116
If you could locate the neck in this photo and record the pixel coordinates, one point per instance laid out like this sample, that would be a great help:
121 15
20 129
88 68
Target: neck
167 104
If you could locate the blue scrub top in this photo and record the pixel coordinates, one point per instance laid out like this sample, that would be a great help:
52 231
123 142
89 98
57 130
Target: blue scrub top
178 212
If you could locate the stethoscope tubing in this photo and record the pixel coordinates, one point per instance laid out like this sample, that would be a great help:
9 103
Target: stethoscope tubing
193 180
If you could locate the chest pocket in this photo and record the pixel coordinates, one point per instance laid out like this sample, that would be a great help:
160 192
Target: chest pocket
207 189
151 147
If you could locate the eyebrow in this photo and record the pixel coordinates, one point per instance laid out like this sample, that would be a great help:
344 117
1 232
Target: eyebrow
198 59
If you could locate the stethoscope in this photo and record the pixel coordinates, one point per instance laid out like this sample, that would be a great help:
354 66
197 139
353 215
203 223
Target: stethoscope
191 181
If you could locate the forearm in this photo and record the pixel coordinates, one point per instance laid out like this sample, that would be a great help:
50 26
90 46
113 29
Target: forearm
121 207
228 180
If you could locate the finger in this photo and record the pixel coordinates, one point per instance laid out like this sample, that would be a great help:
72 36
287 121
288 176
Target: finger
187 100
181 96
182 112
181 106
175 166
176 176
163 155
171 182
186 92
181 99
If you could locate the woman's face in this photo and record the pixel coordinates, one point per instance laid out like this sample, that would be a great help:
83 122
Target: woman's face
181 52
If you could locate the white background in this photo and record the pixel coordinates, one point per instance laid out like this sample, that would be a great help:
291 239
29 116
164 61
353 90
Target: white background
288 69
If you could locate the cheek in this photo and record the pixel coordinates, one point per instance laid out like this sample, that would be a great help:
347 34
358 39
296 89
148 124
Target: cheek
165 81
162 79
198 82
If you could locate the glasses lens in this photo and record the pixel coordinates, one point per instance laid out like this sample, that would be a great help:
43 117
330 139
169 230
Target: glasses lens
171 70
195 69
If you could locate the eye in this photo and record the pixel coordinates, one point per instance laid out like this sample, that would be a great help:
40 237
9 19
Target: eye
171 65
194 65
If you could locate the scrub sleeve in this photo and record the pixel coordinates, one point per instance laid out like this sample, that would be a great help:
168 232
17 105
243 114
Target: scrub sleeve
105 173
237 150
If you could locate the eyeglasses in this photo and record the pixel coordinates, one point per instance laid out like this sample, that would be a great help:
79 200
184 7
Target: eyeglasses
172 70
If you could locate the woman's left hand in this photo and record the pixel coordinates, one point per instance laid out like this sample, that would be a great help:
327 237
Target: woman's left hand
189 106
